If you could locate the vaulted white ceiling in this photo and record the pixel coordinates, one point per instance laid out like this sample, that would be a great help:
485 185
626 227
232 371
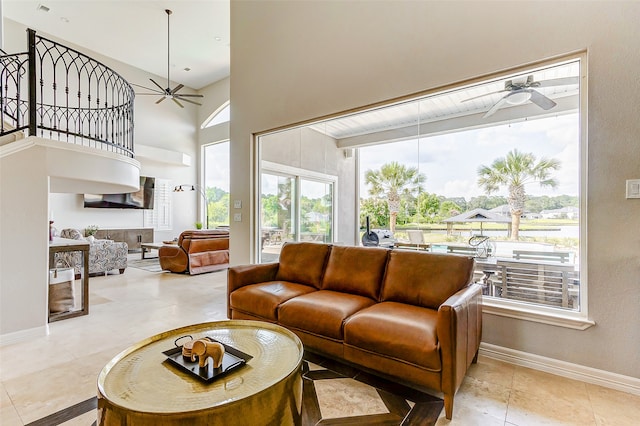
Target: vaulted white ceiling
135 32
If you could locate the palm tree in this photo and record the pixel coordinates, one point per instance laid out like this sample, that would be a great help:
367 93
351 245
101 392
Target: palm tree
394 181
514 171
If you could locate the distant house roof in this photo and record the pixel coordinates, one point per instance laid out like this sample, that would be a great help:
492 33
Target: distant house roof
504 210
568 209
479 215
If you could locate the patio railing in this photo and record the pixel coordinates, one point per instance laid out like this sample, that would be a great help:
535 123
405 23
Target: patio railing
56 92
543 283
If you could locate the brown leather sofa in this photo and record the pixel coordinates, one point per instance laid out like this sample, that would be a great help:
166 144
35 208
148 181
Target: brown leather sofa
412 316
197 252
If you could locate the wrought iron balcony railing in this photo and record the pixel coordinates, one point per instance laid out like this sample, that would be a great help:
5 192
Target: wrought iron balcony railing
56 92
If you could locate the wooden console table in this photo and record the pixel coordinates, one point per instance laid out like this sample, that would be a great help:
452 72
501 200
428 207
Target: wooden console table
134 237
62 245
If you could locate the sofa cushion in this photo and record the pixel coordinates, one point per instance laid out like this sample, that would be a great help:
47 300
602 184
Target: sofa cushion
322 312
303 263
355 270
263 299
72 234
203 234
399 331
425 279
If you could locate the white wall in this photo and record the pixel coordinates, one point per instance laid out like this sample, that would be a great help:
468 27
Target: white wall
1 28
23 220
296 61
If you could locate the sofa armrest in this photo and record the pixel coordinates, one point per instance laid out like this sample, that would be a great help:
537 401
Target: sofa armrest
459 333
173 258
239 276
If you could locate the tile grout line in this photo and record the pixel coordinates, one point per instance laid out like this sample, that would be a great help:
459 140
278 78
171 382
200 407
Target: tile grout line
13 405
506 411
67 414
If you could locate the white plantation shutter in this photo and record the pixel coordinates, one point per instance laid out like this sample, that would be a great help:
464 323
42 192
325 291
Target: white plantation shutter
160 217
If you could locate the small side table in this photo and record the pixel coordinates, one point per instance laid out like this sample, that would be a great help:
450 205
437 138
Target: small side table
61 245
147 247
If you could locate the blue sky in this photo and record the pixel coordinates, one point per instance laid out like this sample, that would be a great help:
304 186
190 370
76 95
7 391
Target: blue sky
450 162
217 166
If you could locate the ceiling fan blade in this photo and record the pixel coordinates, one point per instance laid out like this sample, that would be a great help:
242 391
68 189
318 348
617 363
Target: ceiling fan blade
176 101
183 95
144 87
190 95
564 81
496 106
175 89
486 94
161 88
186 100
160 100
541 100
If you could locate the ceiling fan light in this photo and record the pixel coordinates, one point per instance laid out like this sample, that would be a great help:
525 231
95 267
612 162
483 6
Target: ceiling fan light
518 98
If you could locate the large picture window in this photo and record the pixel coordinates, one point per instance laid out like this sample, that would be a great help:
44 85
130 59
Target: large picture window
492 169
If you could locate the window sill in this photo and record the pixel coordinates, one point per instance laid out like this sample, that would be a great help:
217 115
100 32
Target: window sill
541 315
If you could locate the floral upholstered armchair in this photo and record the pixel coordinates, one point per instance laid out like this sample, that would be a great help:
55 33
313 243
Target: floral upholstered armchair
104 255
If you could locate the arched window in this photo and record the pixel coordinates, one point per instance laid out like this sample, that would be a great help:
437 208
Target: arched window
221 115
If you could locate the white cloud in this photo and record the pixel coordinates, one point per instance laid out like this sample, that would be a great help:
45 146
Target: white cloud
461 188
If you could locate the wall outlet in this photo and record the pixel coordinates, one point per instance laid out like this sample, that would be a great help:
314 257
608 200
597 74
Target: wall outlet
237 217
633 188
237 204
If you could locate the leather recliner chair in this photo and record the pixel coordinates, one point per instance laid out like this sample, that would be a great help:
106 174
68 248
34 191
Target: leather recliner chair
197 252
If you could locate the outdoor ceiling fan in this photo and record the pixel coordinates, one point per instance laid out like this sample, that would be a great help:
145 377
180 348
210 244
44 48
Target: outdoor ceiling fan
168 92
521 92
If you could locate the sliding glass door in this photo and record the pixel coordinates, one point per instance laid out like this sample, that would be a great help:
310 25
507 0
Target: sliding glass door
316 208
293 208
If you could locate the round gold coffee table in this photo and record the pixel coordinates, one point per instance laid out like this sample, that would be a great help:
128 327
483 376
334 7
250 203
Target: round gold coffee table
139 386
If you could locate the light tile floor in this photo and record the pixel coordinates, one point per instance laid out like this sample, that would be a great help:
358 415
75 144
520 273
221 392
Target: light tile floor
53 372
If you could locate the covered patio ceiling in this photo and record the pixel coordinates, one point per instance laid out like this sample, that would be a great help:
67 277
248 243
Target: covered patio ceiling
468 107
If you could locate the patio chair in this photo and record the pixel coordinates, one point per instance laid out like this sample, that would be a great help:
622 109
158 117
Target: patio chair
417 237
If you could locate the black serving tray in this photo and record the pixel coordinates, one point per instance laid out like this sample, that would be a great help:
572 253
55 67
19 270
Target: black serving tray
232 360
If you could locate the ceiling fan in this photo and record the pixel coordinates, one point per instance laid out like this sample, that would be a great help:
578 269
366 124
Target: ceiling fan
521 92
168 92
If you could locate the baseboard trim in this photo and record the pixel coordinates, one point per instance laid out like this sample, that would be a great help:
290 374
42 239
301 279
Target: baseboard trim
562 368
22 335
